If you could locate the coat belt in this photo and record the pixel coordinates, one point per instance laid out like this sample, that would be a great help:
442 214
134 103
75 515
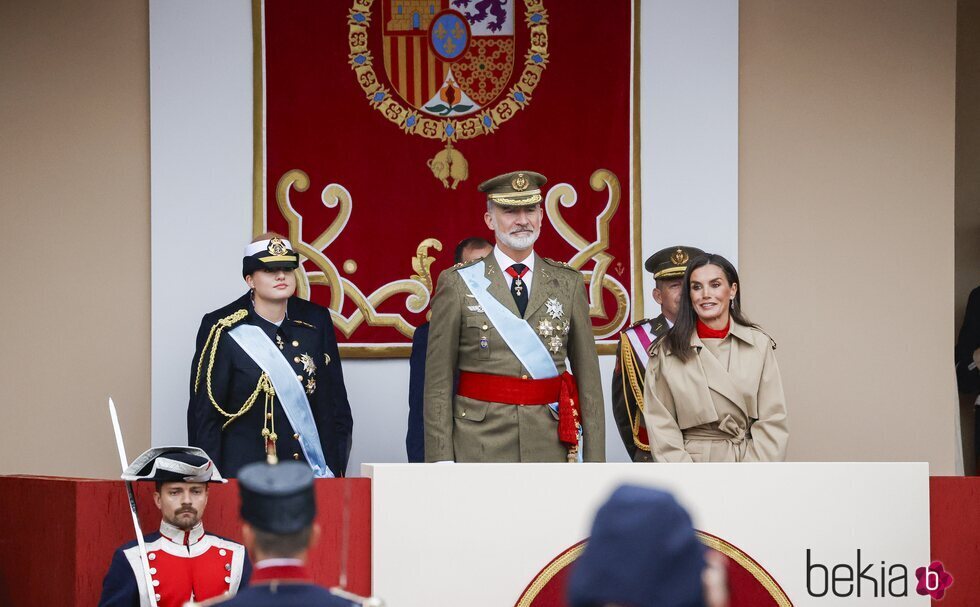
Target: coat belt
523 392
728 430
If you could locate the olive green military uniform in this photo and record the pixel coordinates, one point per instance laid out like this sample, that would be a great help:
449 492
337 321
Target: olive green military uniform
462 338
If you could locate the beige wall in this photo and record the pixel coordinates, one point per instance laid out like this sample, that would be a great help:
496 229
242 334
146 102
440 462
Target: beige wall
846 225
846 219
74 233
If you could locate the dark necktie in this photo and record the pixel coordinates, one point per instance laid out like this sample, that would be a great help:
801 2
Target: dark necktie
518 288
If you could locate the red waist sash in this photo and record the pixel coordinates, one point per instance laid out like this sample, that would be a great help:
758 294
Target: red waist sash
525 392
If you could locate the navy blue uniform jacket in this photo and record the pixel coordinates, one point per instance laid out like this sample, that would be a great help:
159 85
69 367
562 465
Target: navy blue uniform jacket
307 334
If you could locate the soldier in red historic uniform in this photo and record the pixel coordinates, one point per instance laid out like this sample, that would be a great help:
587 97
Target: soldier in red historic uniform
185 562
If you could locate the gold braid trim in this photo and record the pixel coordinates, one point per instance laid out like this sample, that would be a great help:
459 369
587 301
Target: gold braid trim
214 335
628 362
748 563
263 385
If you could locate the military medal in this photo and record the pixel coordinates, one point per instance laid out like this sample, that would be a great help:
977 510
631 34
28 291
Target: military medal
555 309
518 286
545 328
484 342
279 341
309 367
554 344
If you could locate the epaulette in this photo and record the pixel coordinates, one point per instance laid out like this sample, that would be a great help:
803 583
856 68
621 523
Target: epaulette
639 322
304 324
558 264
464 264
772 341
232 319
213 336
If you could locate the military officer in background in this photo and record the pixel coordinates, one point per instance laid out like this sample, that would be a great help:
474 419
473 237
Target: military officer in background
507 324
636 343
186 563
278 510
266 380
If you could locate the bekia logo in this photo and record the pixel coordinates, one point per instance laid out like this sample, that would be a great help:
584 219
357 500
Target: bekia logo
933 580
873 579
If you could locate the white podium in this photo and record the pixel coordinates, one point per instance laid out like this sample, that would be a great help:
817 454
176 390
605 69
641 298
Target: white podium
478 534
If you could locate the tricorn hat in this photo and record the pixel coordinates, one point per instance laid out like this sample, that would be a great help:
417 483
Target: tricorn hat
277 498
272 254
516 189
173 465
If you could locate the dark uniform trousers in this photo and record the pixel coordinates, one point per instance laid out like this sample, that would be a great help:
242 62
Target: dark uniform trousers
627 385
307 341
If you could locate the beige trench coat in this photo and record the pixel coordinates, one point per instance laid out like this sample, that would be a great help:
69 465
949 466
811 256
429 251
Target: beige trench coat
468 430
700 411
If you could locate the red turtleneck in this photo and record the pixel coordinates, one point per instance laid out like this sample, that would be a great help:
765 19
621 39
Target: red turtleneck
706 332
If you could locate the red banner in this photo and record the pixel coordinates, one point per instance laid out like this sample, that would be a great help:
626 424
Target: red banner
377 119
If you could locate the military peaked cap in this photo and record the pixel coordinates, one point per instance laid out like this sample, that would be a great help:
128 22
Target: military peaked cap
272 254
516 189
671 262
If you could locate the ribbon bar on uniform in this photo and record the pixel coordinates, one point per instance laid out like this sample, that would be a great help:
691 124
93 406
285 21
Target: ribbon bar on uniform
523 392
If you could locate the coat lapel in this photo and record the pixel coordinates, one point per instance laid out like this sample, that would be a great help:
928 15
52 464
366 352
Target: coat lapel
717 376
498 285
543 285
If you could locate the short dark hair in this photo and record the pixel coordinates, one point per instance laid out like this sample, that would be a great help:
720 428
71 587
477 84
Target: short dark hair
466 244
282 545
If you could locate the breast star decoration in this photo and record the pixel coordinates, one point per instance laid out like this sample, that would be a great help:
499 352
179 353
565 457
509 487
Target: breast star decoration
555 309
308 365
545 328
554 344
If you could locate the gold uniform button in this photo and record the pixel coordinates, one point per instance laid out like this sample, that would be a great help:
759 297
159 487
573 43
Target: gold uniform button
296 436
295 344
464 414
485 327
295 455
523 376
296 359
300 378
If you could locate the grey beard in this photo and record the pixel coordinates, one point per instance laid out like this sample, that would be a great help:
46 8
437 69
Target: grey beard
518 243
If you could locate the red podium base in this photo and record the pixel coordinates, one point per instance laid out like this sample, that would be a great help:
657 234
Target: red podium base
58 534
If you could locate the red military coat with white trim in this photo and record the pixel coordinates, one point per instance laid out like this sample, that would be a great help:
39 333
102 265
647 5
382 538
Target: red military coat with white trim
184 566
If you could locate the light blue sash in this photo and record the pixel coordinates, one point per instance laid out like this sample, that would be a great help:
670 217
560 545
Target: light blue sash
289 390
516 333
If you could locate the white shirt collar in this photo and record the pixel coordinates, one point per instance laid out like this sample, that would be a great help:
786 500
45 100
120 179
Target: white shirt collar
505 261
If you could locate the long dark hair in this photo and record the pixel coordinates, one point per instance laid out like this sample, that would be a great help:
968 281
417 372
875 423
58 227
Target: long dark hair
678 339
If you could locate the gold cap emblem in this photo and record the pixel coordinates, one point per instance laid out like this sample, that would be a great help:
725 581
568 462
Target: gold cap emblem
520 182
679 257
276 247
